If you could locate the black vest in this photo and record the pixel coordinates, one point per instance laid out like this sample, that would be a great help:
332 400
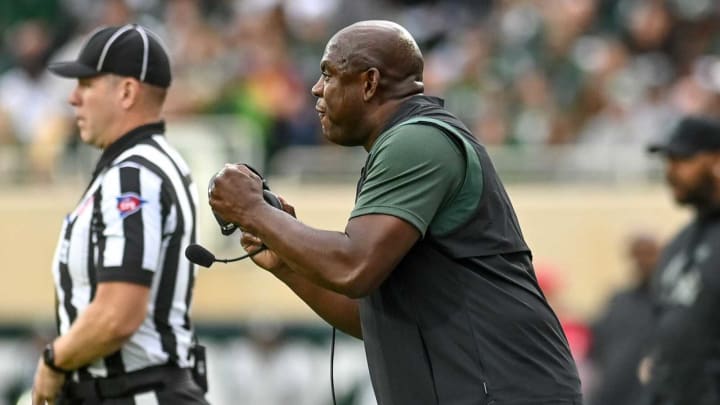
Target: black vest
461 319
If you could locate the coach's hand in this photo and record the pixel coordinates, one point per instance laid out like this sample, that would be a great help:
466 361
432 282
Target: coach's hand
47 385
266 259
234 192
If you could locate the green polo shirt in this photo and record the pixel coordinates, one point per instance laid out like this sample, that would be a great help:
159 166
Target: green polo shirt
416 172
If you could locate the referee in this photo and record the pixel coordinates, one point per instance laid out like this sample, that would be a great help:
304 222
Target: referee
123 287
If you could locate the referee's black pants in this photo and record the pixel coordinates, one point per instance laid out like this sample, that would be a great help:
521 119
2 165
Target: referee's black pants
162 385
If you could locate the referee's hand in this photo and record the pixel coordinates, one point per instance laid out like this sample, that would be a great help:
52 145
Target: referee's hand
47 385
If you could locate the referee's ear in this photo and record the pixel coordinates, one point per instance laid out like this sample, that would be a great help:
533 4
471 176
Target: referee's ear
129 92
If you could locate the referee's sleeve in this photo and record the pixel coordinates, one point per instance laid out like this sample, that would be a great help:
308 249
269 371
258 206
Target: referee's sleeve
132 217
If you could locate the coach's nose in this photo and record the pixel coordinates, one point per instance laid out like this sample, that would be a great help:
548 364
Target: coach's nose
317 89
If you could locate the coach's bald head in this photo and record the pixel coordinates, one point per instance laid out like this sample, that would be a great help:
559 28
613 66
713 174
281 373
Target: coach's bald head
368 70
386 46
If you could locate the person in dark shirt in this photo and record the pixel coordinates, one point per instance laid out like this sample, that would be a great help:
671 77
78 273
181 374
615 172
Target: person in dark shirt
432 271
685 360
621 333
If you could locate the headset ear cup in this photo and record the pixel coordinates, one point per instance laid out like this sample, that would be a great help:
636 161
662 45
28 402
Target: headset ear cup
252 169
227 228
272 199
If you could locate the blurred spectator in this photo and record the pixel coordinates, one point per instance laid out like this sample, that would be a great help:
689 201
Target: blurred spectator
14 12
198 54
30 116
623 331
266 86
648 24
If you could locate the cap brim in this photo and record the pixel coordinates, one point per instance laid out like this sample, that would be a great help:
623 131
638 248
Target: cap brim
72 69
672 150
656 148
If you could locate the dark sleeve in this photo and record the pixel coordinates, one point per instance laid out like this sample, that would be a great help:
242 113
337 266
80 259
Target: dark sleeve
411 175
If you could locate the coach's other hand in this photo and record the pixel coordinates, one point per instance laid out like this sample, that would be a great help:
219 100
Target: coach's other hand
235 192
47 385
266 259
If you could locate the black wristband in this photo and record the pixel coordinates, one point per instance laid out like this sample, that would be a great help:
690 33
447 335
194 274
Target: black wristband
49 359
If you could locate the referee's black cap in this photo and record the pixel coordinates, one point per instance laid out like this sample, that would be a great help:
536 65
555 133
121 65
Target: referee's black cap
692 135
129 50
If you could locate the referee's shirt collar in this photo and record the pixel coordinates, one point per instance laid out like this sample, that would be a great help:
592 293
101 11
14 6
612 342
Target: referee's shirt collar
130 139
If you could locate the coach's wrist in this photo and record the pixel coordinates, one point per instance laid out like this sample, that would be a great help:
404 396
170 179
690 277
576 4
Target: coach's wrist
254 216
286 274
48 357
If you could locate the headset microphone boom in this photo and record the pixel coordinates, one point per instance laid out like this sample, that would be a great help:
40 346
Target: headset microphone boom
203 257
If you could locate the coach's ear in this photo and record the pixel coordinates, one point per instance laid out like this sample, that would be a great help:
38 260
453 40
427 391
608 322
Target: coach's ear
371 80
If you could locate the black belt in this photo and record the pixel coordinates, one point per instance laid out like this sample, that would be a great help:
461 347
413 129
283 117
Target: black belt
147 379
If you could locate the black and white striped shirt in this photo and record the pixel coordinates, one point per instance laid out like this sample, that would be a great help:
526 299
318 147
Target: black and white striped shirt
132 224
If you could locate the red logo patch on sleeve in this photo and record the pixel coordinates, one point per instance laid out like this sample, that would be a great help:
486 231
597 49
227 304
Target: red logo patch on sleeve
129 203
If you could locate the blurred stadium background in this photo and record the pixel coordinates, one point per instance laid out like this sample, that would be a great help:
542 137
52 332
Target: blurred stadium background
566 94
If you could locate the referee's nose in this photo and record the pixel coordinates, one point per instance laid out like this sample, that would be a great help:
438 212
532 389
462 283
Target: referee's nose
74 97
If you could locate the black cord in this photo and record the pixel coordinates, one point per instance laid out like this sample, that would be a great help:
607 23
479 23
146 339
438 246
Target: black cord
332 358
263 247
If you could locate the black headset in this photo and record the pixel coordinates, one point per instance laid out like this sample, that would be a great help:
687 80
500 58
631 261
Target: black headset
227 228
